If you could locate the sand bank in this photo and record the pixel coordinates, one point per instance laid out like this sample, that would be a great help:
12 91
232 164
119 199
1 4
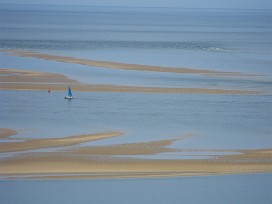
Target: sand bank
13 79
111 161
124 89
26 76
5 133
250 156
54 142
69 166
143 148
116 65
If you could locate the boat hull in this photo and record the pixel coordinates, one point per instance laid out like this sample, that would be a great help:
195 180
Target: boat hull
68 97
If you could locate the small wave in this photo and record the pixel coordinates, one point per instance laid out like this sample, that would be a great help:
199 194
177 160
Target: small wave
96 45
216 49
255 51
57 44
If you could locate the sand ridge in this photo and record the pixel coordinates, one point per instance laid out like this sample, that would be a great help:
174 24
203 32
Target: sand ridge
111 162
11 79
60 165
5 133
18 76
141 148
77 160
117 65
31 144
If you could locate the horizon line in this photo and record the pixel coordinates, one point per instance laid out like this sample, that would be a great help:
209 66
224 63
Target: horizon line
123 6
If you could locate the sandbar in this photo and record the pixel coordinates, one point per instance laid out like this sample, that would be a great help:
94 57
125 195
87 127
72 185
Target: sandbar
13 79
5 132
112 161
26 76
54 142
118 65
142 148
68 166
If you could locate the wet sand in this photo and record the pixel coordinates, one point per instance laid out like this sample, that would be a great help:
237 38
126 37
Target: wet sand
116 65
54 142
111 161
5 133
65 166
13 79
46 161
26 76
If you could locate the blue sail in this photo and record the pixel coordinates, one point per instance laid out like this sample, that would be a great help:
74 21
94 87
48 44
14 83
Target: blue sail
69 91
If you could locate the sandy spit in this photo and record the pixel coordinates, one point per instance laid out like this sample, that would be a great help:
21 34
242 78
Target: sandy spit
5 133
142 148
116 65
27 80
27 76
54 142
111 161
65 166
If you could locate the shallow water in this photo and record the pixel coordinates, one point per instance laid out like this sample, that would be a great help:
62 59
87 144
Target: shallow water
229 40
249 189
215 121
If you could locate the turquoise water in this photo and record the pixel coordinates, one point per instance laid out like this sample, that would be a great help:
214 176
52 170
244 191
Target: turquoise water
230 40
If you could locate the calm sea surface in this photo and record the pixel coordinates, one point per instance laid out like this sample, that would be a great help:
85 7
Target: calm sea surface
216 121
238 40
248 189
229 40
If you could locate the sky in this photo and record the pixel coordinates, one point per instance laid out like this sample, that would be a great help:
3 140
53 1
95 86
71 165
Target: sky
239 4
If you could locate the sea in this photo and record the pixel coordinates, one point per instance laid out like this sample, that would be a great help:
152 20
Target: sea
232 40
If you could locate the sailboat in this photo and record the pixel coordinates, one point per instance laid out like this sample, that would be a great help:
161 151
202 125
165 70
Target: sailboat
70 95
